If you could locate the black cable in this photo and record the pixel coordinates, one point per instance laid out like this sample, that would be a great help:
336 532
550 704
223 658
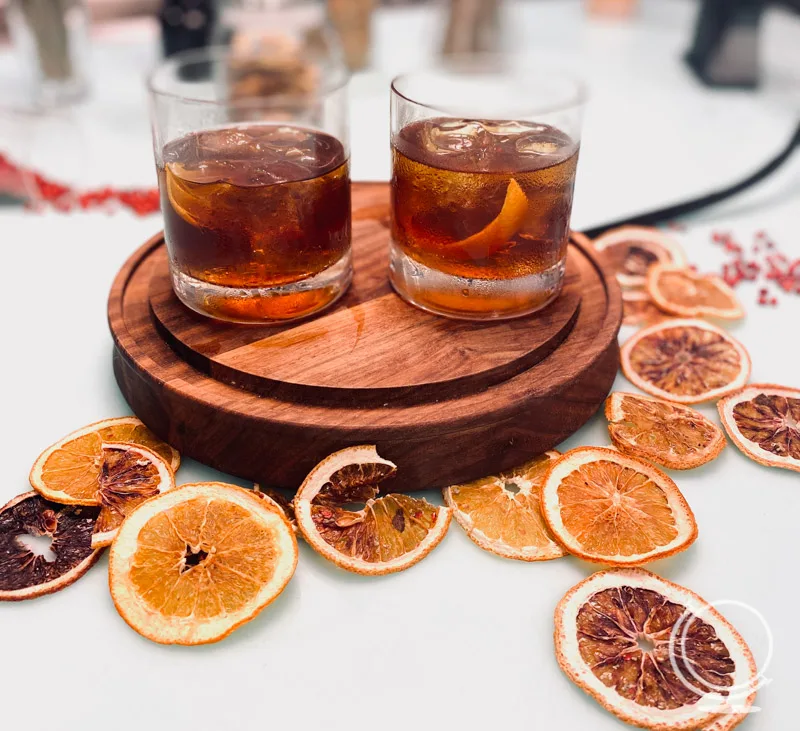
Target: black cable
682 209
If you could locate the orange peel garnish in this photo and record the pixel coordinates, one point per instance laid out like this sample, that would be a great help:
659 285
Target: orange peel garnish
496 234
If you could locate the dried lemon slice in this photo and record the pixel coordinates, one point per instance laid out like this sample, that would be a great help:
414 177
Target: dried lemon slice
633 249
668 434
503 514
763 420
687 361
190 566
604 506
26 574
390 533
653 653
682 292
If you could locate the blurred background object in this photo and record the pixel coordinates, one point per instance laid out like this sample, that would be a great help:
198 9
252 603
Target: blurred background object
613 8
474 26
353 21
186 24
51 37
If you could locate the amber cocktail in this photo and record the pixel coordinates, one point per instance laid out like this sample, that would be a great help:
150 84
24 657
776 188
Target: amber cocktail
480 209
256 197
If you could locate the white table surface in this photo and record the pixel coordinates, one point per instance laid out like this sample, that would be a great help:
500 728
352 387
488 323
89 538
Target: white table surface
464 639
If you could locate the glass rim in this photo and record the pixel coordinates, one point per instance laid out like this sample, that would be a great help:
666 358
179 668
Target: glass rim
576 99
215 54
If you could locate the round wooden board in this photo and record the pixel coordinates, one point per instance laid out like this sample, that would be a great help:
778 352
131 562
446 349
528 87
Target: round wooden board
448 401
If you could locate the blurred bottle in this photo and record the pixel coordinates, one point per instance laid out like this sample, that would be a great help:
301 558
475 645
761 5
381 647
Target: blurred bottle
186 24
277 46
51 37
353 21
612 8
474 26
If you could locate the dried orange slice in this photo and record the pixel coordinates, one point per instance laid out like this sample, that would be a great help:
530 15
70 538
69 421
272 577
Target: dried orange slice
685 293
687 361
117 477
580 238
503 514
633 249
190 566
638 308
67 471
668 434
653 653
496 234
27 574
607 507
390 533
763 420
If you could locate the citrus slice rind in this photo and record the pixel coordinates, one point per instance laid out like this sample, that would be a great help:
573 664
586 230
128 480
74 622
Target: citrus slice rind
503 521
191 565
697 668
681 292
67 471
763 421
669 434
130 475
275 499
634 249
685 361
638 308
391 533
26 575
606 507
580 238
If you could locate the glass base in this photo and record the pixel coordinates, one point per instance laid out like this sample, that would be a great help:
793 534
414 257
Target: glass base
264 305
462 298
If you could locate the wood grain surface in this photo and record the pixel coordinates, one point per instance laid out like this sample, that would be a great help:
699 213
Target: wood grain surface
446 400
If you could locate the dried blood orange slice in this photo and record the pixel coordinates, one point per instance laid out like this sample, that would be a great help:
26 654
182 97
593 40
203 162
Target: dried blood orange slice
687 361
191 565
390 533
638 308
671 435
653 653
685 293
633 249
763 420
580 238
503 514
26 574
605 506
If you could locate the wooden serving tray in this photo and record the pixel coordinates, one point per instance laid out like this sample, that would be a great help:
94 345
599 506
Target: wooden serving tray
448 401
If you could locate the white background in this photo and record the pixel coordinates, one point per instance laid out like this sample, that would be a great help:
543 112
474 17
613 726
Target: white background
464 639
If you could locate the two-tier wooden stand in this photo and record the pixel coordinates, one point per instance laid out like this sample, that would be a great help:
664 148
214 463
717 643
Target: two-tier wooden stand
447 401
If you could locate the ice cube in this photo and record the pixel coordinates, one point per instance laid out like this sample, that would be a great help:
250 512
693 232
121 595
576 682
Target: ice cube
536 146
284 136
231 142
511 128
454 136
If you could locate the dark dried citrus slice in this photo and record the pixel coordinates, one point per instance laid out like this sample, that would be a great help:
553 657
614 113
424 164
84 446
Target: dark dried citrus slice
763 420
390 533
671 435
685 293
607 507
25 574
191 565
638 308
687 361
633 249
503 514
653 653
278 500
